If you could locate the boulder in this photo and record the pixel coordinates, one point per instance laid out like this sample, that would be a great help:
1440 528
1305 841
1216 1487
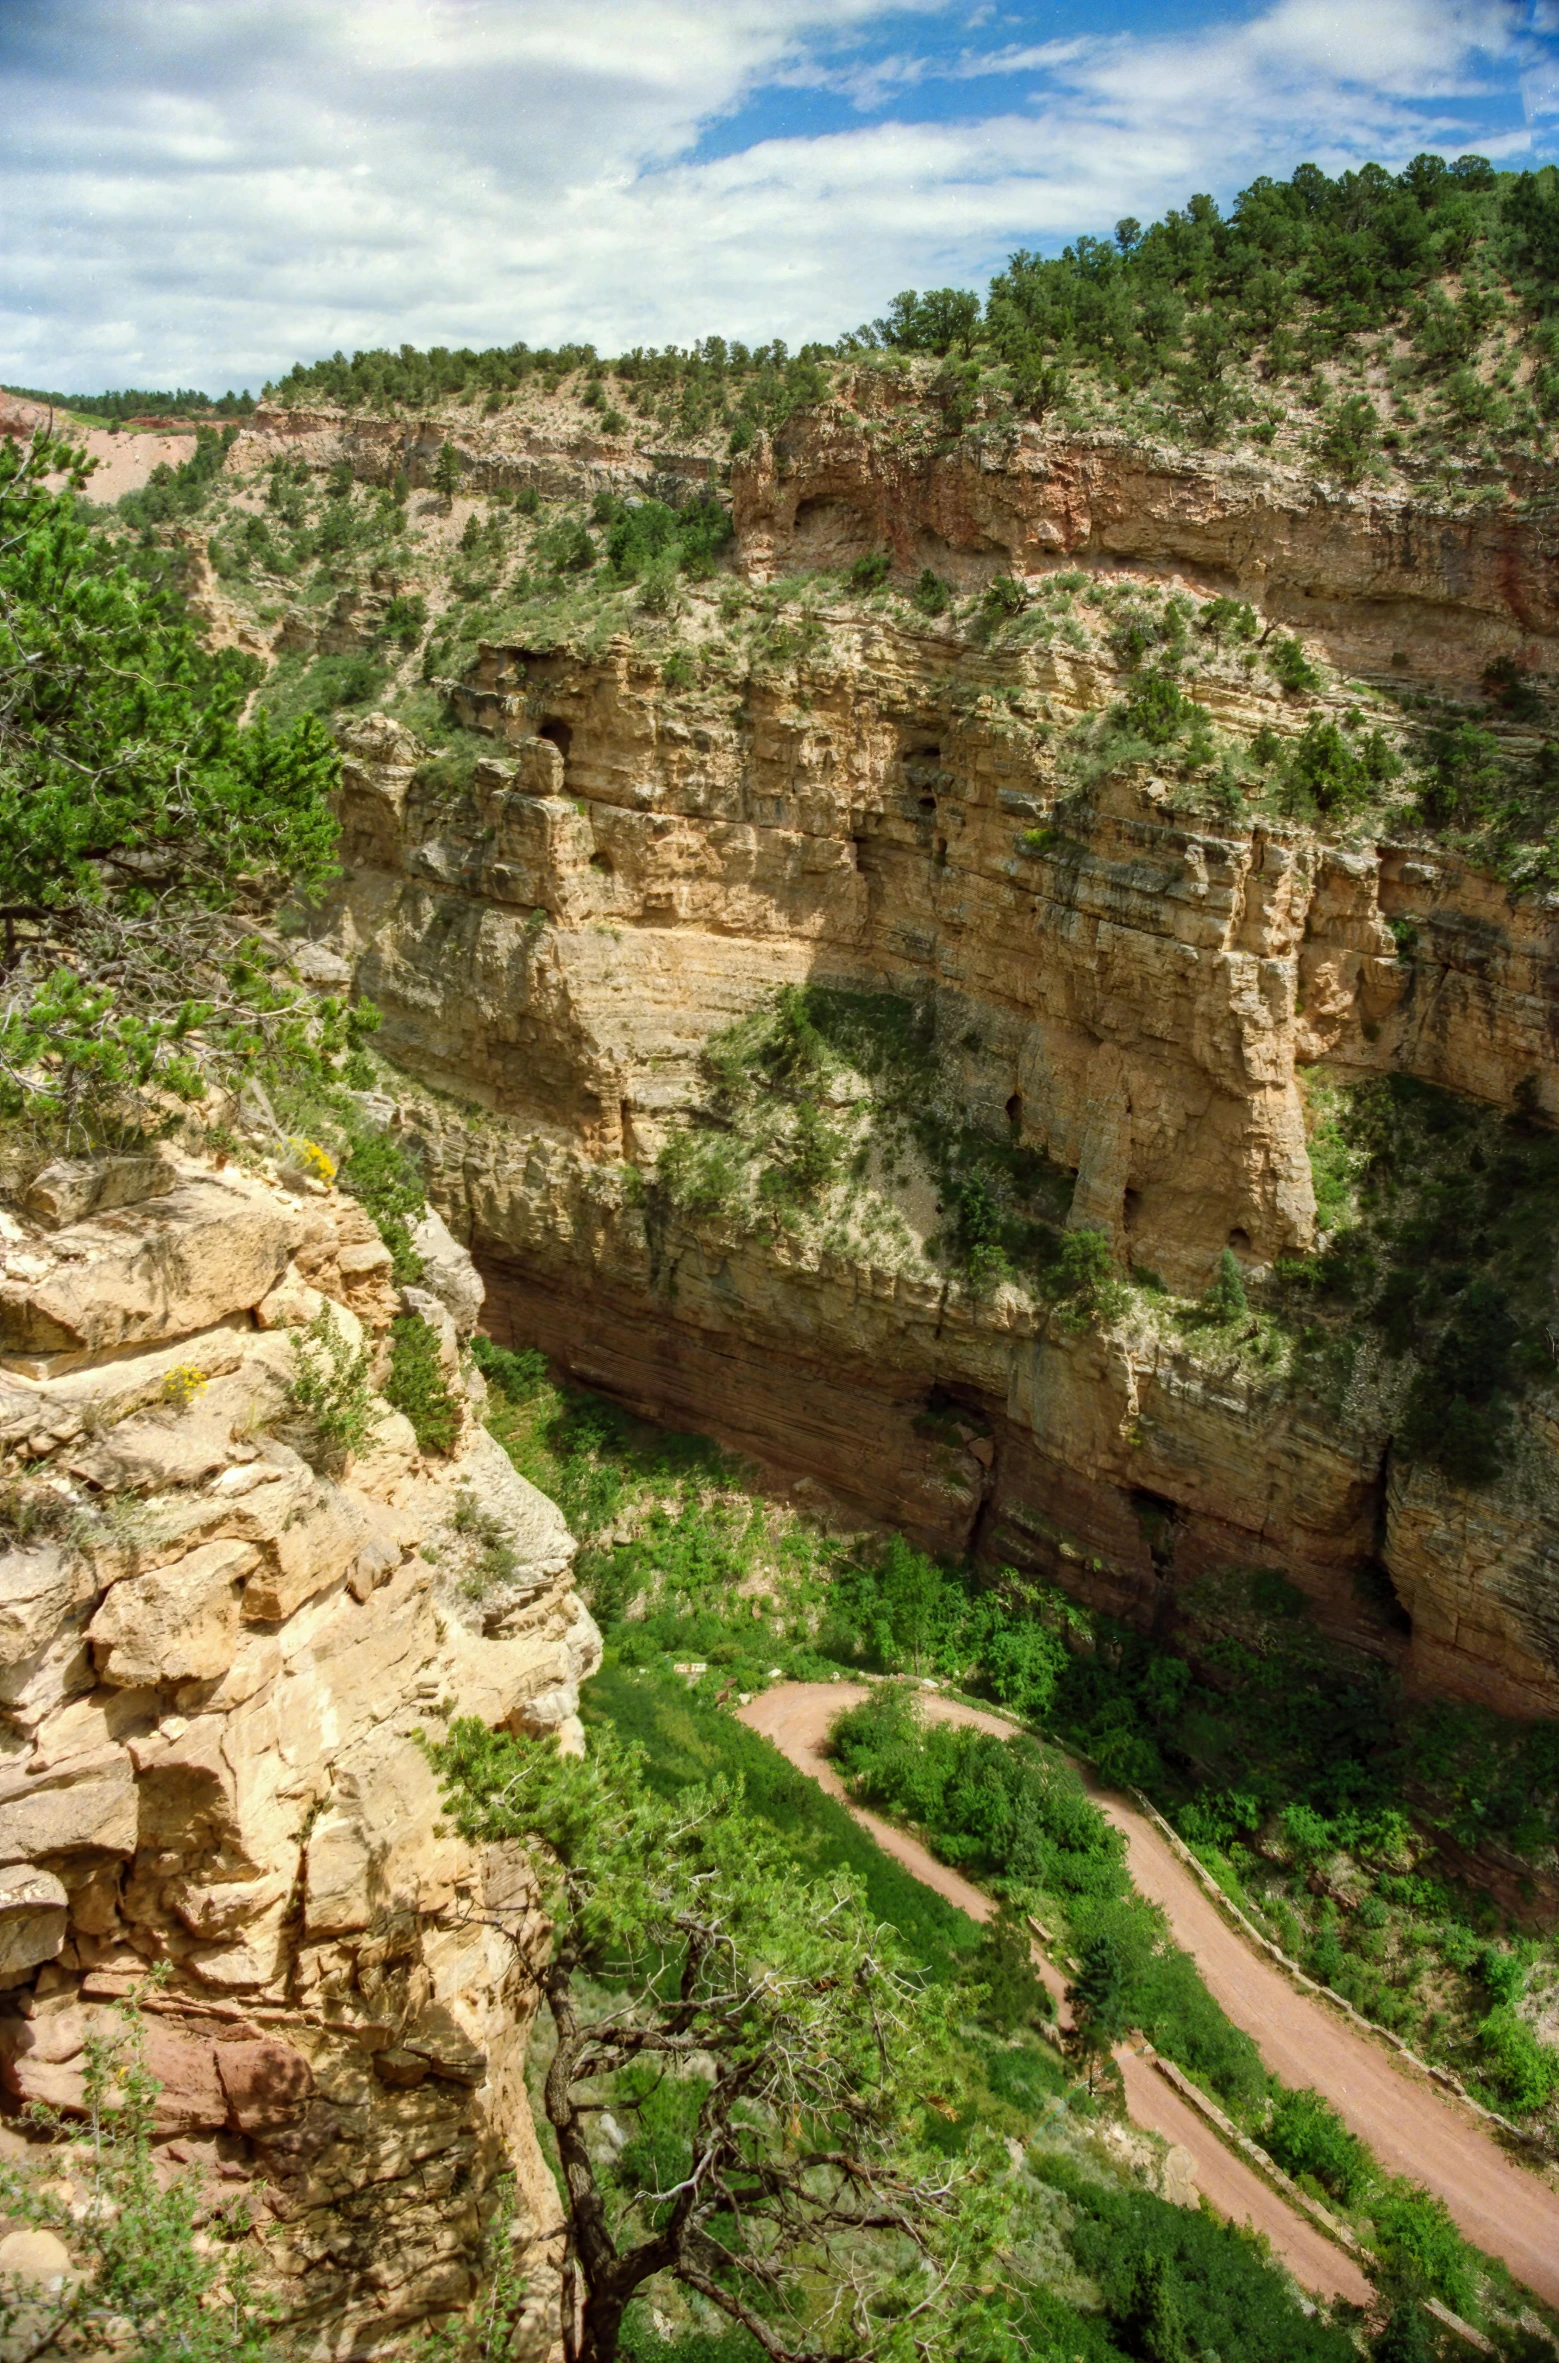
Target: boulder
35 2256
322 1541
40 1589
74 1187
267 2083
33 1908
160 1270
448 1272
88 1803
176 1625
533 1525
379 1851
43 2058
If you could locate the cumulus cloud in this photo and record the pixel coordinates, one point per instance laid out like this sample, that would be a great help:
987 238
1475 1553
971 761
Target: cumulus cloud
204 190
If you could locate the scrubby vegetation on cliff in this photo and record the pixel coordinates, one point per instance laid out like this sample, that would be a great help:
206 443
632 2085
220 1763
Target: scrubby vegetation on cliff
828 1113
1436 1218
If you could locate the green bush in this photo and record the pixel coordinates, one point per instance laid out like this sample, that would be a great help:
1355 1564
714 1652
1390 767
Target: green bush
1350 437
381 1173
1420 2244
1226 1297
1465 775
406 616
417 1386
1306 2136
331 1392
1292 667
565 547
1173 2282
871 571
157 2268
1524 2069
931 594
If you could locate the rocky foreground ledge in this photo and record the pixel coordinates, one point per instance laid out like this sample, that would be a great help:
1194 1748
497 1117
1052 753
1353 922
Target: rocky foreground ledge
218 1644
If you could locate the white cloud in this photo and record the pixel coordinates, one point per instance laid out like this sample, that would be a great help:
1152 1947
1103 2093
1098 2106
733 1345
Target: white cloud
203 190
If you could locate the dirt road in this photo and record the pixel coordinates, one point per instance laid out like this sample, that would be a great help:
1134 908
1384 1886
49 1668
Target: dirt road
796 1717
1508 2209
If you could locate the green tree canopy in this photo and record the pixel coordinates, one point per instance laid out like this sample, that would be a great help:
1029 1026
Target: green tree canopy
771 2049
145 829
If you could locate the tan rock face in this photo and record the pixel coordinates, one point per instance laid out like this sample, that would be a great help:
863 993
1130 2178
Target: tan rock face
1375 580
138 1274
1137 995
212 1682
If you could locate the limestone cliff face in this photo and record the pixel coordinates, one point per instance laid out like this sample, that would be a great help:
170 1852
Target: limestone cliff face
1136 993
1383 582
217 1648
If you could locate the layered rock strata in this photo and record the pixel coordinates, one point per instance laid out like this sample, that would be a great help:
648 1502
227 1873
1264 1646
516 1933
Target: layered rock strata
218 1650
1386 582
1135 993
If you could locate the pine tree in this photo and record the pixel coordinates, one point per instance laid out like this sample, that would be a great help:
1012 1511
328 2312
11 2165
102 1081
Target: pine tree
1227 1294
447 470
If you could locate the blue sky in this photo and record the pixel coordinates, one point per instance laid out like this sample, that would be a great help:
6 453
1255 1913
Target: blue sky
201 191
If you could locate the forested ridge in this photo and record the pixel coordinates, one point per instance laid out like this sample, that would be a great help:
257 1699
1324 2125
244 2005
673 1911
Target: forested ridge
1223 319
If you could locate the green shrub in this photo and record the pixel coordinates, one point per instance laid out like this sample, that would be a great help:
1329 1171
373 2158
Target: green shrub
1420 2244
566 547
871 571
519 1376
1292 667
1524 2069
1015 1994
1226 1296
1172 2282
931 594
381 1173
1465 775
331 1391
417 1385
1306 2136
406 617
1004 596
1349 440
144 2281
1159 712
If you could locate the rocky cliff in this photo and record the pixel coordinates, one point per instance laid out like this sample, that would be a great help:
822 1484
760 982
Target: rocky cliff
220 1639
1136 991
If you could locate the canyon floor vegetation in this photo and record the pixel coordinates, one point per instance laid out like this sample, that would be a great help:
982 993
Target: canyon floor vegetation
1339 1815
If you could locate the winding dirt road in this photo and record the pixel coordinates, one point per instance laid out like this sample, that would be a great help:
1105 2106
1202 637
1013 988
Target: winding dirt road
1507 2209
796 1717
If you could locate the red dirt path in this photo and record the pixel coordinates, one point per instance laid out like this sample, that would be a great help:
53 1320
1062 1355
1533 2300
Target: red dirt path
796 1717
1512 2211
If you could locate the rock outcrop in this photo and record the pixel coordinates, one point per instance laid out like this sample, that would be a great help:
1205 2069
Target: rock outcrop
220 1646
1389 583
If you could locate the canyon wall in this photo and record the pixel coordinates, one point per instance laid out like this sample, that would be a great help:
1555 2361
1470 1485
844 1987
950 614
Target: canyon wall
1383 581
1137 993
218 1649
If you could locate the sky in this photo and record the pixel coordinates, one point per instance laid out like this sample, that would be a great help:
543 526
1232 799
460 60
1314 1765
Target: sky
200 192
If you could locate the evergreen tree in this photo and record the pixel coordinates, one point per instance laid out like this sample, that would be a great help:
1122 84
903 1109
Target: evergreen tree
770 2046
1098 1999
1227 1294
144 829
448 472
